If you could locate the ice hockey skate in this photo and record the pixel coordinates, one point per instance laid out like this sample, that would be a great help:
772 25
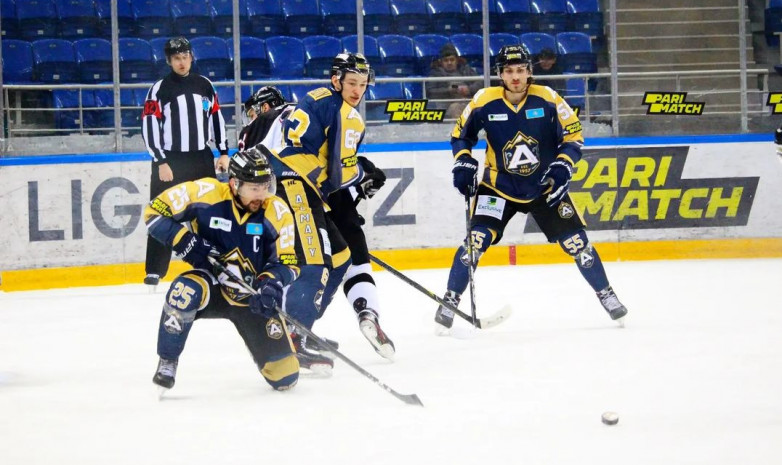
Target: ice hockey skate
443 318
152 280
319 365
165 375
370 328
611 304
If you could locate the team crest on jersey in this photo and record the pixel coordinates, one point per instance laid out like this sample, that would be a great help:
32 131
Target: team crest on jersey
565 210
274 328
520 154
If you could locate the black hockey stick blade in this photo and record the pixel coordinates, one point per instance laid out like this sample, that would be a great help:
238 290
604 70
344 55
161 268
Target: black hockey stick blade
410 399
483 323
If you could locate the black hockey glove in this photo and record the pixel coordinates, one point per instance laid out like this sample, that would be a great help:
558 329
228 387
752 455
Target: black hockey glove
195 251
374 178
778 141
558 177
465 175
269 297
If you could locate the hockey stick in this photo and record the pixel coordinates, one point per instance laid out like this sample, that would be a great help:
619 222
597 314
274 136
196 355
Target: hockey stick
483 323
470 256
410 399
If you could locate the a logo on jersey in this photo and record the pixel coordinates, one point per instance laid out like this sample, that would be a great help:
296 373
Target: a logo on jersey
534 113
173 323
565 210
152 108
205 103
274 328
775 102
412 111
573 128
489 205
318 300
498 117
220 223
521 155
160 207
671 103
254 229
354 114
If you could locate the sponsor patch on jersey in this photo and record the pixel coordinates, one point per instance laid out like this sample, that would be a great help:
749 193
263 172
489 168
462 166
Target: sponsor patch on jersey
255 229
671 103
565 210
160 207
498 117
220 223
289 259
534 113
412 111
274 328
573 128
205 103
490 205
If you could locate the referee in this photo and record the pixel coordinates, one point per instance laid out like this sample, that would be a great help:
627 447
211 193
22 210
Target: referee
181 111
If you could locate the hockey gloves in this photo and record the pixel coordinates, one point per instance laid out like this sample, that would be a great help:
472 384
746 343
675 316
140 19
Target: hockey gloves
778 141
465 175
374 178
195 251
558 177
268 299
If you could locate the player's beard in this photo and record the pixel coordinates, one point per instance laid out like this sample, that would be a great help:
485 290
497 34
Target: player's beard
253 206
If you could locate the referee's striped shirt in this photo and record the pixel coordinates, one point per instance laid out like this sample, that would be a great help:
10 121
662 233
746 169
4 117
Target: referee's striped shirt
181 114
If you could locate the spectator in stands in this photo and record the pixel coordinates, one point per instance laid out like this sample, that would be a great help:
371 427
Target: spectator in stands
546 65
450 64
181 113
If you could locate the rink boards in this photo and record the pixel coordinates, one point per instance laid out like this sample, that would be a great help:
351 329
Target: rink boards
77 220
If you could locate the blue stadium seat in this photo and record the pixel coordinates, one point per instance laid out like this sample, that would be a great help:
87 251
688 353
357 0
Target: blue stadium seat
225 97
78 19
285 90
350 45
10 27
377 17
446 15
410 17
298 91
319 52
37 19
551 15
585 16
339 17
383 91
397 56
266 18
415 90
54 61
515 17
470 47
94 59
537 41
499 40
68 100
131 105
192 18
159 56
254 60
575 91
126 22
427 50
575 53
473 13
773 21
17 61
286 56
302 17
153 18
136 62
211 58
223 21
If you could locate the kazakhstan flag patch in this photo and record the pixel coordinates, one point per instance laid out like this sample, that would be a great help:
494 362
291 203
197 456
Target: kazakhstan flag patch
255 229
534 113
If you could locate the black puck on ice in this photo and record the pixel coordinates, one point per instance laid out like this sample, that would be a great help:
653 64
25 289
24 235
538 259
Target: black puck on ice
610 418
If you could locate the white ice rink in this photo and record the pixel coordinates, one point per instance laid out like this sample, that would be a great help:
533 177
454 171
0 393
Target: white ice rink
696 377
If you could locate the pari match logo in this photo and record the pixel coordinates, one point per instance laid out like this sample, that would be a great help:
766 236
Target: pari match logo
412 111
775 102
671 103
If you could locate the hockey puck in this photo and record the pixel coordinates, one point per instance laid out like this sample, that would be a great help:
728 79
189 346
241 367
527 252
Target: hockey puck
610 418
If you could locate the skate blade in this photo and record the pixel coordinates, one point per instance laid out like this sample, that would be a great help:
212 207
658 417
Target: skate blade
369 331
161 392
620 322
440 330
318 370
151 288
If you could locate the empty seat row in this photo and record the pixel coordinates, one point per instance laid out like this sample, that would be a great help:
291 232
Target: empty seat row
72 19
90 60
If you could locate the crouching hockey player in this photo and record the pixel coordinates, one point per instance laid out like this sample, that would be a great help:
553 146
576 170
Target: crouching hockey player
533 141
251 232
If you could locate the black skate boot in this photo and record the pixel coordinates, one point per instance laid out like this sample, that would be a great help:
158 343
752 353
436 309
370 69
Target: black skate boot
611 304
444 316
152 281
318 364
370 328
165 375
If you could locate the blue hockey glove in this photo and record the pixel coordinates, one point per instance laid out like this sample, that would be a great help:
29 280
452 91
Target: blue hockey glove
195 251
374 178
465 175
558 177
268 299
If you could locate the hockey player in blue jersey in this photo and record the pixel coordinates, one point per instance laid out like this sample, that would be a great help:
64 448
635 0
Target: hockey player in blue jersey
317 165
251 232
533 140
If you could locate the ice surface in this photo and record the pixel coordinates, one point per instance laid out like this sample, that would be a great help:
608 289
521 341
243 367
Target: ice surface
696 377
